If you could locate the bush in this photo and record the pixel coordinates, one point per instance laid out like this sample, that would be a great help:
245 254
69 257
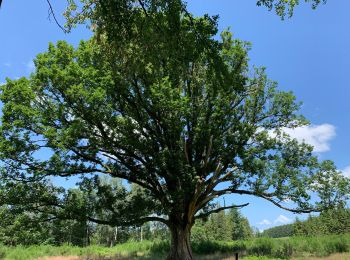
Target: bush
261 246
321 245
209 247
283 249
336 245
160 247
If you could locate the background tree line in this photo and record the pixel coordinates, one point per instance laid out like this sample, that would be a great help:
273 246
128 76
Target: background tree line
224 226
21 227
24 228
334 221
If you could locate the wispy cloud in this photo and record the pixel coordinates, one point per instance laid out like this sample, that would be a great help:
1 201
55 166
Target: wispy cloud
30 66
282 219
7 64
265 222
346 172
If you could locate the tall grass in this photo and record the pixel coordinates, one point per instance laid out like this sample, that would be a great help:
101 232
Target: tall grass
282 248
260 248
125 249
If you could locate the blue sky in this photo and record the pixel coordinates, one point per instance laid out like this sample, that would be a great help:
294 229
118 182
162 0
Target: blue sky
308 54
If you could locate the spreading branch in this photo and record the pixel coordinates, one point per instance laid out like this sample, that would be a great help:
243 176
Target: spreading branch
266 196
128 223
206 214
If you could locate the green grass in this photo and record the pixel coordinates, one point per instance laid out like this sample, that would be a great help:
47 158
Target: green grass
147 249
260 248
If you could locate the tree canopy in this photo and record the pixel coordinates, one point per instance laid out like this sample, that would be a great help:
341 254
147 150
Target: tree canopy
286 7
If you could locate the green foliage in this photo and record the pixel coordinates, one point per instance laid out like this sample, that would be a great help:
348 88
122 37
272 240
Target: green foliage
69 232
126 11
26 228
299 246
89 128
241 228
335 221
262 248
283 249
332 221
218 227
280 231
20 228
321 245
286 7
222 226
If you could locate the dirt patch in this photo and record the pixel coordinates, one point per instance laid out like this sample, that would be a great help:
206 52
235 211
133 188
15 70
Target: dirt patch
60 258
331 257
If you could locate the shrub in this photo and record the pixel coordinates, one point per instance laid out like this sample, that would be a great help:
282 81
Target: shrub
207 247
336 245
160 247
262 246
283 249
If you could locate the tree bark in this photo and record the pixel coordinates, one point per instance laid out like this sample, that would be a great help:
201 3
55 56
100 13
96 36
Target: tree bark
180 243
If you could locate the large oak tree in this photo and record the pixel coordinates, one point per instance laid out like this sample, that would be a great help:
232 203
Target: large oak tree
156 99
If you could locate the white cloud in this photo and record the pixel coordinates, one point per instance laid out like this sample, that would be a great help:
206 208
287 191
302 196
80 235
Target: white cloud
30 66
265 222
2 83
346 172
7 64
318 136
282 219
287 200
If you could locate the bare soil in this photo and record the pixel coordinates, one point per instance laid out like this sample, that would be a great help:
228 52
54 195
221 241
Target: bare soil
60 258
345 256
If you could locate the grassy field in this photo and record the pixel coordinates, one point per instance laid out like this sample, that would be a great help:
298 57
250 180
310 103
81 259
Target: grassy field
337 246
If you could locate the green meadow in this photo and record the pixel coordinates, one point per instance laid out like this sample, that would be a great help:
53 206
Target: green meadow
254 249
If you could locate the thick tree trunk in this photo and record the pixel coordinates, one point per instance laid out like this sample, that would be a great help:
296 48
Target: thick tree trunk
180 243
